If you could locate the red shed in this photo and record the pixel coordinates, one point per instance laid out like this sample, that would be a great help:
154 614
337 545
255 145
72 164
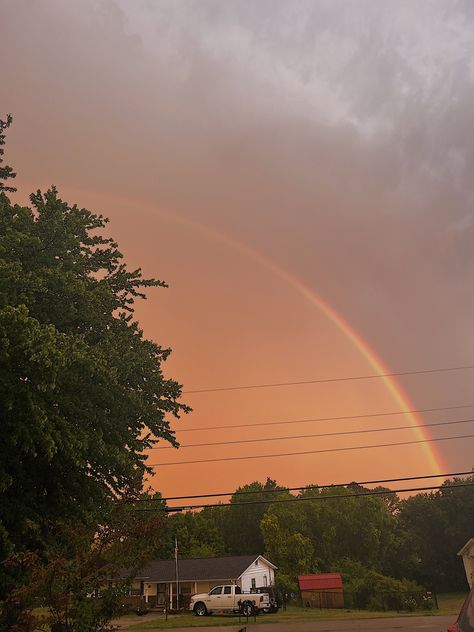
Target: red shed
323 590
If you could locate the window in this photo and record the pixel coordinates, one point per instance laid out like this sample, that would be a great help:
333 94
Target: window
216 591
227 590
254 584
265 581
238 591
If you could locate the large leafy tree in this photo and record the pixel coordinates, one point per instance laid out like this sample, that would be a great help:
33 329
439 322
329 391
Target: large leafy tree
198 534
241 523
332 524
82 392
431 528
6 172
287 544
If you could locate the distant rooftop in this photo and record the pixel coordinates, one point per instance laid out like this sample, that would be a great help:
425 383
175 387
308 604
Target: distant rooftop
199 569
321 581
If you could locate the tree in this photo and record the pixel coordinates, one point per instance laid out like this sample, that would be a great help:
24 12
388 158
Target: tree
82 392
333 522
6 172
198 534
84 575
431 528
241 526
286 546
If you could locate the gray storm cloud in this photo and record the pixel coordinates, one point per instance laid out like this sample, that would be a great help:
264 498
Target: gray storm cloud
335 136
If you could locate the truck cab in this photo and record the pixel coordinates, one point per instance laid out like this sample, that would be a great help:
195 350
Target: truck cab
228 598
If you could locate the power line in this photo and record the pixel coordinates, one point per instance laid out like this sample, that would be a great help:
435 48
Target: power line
276 501
326 380
316 419
320 434
345 449
332 497
305 487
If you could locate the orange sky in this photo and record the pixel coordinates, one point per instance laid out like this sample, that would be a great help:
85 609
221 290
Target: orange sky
210 133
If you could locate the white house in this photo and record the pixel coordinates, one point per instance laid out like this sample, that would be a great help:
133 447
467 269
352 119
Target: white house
467 554
157 582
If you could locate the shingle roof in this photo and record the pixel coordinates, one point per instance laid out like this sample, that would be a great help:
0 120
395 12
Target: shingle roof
199 569
322 581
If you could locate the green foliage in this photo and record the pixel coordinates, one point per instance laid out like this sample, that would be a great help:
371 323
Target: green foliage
417 537
83 575
286 547
198 535
374 591
431 528
287 584
334 523
241 523
6 172
82 392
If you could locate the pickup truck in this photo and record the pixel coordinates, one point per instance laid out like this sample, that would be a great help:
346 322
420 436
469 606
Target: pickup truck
229 599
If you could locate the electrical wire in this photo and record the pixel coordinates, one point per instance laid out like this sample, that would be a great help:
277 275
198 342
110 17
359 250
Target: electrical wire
317 419
326 450
276 501
320 434
327 380
305 487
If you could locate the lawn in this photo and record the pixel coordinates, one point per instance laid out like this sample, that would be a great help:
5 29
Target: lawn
448 603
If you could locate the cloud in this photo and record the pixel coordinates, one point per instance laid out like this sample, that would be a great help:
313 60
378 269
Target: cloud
332 135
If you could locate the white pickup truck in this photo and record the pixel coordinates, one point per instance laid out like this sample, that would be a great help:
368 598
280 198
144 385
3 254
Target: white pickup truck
229 599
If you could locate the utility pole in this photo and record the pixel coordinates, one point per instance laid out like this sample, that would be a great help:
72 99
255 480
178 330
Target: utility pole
176 571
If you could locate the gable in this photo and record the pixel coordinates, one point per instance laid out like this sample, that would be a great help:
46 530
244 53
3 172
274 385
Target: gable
259 563
468 548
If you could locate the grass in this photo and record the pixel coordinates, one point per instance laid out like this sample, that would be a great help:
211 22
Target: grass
449 604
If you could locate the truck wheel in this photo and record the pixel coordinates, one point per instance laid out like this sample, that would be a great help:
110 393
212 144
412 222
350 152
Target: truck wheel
247 609
200 609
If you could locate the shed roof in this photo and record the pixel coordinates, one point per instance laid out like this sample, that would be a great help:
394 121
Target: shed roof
200 569
321 581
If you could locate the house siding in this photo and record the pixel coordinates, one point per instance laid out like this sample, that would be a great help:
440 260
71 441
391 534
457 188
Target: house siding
257 572
468 560
467 554
154 592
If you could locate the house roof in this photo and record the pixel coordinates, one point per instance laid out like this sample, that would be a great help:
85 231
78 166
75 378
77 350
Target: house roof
200 569
466 547
322 581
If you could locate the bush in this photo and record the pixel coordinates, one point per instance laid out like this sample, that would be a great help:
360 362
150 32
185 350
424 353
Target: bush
374 591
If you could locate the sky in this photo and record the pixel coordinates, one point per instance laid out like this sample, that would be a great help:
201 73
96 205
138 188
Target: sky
300 174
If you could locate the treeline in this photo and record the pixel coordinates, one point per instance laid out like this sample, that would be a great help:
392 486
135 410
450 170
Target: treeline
415 538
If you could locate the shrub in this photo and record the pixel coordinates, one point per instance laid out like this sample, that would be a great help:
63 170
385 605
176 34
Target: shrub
374 591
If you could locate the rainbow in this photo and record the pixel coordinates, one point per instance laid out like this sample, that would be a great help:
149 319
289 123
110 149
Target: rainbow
369 354
393 387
